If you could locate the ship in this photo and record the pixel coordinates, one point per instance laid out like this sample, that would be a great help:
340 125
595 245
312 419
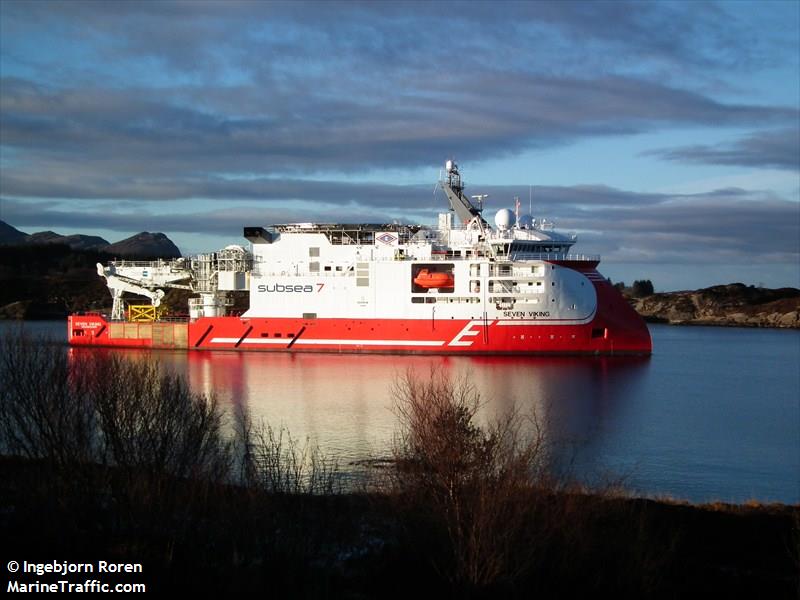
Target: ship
514 287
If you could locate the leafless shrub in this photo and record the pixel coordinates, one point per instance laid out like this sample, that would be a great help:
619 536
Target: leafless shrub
43 412
70 408
273 461
111 441
290 515
151 421
479 485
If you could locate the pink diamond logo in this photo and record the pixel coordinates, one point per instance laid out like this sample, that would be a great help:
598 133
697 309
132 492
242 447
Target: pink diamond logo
387 238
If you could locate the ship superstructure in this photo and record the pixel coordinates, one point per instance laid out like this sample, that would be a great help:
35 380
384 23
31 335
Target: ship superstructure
465 286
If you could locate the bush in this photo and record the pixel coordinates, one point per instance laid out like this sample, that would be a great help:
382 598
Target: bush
473 489
273 461
113 445
74 407
151 421
642 288
121 455
43 412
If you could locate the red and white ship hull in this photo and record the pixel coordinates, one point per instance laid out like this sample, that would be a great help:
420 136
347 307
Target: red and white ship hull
616 329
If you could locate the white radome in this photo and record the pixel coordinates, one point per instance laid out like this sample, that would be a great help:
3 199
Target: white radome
504 219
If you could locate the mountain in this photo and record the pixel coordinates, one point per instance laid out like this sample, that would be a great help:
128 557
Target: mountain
11 235
145 244
76 242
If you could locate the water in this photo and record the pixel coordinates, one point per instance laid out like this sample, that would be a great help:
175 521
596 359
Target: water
714 414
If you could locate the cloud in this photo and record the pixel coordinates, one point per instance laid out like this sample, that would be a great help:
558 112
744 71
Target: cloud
778 149
123 92
195 37
263 189
126 138
226 222
296 112
721 227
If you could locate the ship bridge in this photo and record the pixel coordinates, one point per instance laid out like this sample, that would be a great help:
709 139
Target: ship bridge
361 234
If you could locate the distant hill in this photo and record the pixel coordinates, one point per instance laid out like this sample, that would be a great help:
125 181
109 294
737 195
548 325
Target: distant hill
145 244
76 242
47 280
11 235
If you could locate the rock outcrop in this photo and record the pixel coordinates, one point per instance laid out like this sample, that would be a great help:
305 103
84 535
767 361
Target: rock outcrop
734 304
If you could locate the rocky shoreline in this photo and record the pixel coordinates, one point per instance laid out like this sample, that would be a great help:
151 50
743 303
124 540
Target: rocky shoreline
732 305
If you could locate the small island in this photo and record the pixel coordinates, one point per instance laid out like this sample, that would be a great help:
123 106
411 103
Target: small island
731 305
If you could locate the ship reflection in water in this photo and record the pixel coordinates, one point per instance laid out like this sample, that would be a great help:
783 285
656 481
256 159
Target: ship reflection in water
343 403
712 415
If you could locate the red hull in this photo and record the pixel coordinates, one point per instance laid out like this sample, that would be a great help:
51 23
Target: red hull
615 329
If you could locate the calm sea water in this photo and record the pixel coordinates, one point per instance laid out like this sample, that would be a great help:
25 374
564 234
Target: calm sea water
714 414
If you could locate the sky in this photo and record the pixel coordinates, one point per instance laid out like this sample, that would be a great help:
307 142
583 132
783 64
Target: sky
665 134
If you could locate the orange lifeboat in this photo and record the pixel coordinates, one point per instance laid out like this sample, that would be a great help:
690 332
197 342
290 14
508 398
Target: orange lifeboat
426 279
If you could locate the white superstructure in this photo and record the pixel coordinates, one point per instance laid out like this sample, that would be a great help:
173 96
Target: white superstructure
373 271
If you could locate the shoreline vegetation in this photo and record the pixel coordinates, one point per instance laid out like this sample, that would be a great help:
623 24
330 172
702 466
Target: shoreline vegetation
108 458
50 281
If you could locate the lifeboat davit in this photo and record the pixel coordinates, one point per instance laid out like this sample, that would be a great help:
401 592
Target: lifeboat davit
426 279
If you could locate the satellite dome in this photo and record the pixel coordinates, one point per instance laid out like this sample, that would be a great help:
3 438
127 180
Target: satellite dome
526 222
504 219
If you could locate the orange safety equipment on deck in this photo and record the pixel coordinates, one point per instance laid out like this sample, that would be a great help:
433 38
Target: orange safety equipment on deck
429 280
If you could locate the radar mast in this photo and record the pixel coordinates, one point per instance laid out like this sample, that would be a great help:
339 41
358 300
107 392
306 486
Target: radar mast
453 187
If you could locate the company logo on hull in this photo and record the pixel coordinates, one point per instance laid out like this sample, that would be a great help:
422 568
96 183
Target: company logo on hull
289 289
471 329
387 238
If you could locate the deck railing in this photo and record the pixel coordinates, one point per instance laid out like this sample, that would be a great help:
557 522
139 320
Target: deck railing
548 256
